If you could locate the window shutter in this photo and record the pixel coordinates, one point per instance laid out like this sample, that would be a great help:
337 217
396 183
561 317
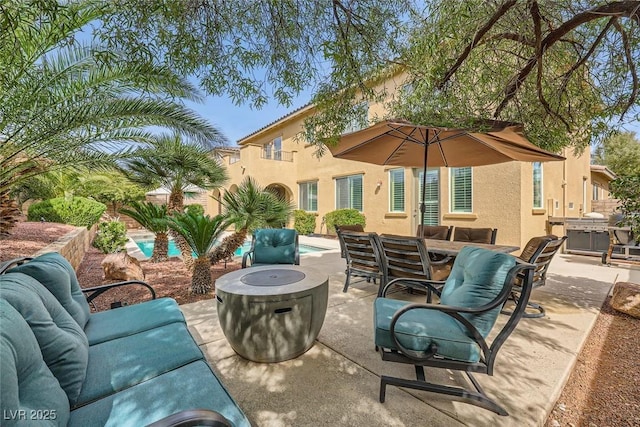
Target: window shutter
396 178
356 193
461 189
432 197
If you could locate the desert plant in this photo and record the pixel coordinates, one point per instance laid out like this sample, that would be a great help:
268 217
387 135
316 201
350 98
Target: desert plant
344 217
249 208
154 218
201 233
111 237
304 222
78 211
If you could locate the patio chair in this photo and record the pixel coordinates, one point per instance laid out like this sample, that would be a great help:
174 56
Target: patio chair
406 258
475 235
538 251
453 335
340 228
363 256
437 232
272 246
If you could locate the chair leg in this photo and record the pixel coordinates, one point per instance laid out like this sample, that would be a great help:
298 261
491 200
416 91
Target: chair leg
541 312
476 398
346 282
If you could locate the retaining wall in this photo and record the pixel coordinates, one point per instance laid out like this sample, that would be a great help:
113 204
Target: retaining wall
73 245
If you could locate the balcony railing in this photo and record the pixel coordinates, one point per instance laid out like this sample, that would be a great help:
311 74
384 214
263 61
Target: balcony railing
279 155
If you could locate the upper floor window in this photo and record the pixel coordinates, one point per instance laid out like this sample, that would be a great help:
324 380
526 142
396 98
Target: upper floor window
273 149
360 118
309 196
537 185
396 190
461 190
349 192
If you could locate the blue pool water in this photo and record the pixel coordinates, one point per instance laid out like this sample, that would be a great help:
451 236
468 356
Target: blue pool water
146 246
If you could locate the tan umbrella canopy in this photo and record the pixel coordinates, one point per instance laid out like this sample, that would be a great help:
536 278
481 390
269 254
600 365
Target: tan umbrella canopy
399 143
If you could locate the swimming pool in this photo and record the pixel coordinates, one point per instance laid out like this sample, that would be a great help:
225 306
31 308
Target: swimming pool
146 246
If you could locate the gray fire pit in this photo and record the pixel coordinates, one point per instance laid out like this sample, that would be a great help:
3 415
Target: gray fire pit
272 313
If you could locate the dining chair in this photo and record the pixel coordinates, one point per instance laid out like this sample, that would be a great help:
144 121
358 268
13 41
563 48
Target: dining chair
349 227
538 251
457 334
437 232
406 258
362 252
475 235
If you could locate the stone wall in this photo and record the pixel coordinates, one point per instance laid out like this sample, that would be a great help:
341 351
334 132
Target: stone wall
73 245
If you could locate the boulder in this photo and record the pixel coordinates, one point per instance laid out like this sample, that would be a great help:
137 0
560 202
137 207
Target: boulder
121 266
626 298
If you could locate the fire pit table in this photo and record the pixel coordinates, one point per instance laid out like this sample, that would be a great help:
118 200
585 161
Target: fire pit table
272 313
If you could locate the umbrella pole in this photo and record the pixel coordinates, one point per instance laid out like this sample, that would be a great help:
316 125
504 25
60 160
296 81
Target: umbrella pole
423 206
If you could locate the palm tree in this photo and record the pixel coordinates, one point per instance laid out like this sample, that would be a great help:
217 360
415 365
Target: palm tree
68 105
249 208
201 233
154 218
175 164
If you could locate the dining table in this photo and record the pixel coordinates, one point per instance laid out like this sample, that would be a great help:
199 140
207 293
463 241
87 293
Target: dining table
449 247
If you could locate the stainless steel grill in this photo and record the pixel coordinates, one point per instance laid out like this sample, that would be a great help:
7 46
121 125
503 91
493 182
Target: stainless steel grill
587 235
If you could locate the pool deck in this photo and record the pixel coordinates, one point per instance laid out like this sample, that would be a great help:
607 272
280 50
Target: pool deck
337 381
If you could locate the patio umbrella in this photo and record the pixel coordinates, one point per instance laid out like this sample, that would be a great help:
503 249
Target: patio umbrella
400 143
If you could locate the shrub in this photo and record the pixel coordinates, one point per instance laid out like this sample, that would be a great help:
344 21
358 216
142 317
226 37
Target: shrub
304 222
111 236
78 211
343 217
195 209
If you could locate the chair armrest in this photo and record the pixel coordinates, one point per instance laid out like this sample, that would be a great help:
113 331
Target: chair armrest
247 256
429 285
94 292
193 417
13 262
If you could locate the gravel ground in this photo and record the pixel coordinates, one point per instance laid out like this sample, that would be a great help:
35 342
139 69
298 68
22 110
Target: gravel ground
602 391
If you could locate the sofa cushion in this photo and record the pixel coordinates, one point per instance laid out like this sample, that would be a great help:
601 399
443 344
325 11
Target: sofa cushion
62 342
191 386
274 246
418 329
477 277
121 322
121 363
57 274
29 391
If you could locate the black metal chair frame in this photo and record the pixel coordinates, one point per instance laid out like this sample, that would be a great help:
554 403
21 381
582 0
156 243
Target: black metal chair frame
350 227
90 293
541 259
363 256
406 259
248 256
489 351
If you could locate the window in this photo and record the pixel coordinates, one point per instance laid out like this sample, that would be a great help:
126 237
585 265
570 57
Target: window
596 192
432 196
537 185
309 196
273 149
359 119
396 190
461 190
349 192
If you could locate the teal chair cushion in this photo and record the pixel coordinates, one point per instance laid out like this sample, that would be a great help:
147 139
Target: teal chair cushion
477 277
57 274
418 329
62 342
121 363
274 246
27 385
132 319
191 386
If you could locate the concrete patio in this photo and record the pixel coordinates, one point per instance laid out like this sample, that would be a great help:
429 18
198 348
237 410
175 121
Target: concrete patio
337 381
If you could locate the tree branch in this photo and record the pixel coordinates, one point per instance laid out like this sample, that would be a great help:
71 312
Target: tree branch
631 64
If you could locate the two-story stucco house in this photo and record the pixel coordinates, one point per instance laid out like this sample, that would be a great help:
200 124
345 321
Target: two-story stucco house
516 198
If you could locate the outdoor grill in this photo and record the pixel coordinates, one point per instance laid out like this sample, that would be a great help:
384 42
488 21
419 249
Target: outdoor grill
590 235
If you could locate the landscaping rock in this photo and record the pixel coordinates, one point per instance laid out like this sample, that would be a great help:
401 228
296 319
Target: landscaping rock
626 298
121 266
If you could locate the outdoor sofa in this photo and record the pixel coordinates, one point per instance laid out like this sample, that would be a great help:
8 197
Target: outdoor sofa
130 366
